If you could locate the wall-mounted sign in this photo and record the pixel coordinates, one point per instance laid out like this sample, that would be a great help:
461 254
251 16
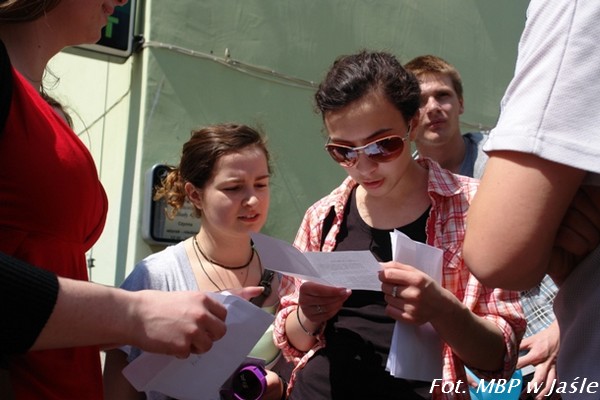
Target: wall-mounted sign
156 227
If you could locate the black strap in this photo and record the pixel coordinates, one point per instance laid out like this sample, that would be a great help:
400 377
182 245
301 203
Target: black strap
327 224
6 86
265 282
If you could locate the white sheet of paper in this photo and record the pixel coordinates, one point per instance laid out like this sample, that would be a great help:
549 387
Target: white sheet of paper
416 351
348 269
200 376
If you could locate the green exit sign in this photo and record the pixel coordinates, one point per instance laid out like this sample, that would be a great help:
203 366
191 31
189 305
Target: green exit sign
118 34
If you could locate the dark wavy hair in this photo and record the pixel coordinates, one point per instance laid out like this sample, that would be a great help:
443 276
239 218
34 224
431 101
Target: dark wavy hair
351 77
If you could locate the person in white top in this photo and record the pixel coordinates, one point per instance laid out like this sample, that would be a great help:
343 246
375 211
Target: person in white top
541 181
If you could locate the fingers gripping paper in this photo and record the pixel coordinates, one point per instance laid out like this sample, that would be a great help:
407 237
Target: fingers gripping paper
200 376
416 351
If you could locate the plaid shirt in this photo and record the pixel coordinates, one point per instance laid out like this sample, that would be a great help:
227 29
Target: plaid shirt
450 198
537 305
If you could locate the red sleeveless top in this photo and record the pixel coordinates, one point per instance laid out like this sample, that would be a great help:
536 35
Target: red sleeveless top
52 210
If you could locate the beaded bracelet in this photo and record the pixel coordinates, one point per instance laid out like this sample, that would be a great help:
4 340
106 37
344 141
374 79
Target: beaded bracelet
315 333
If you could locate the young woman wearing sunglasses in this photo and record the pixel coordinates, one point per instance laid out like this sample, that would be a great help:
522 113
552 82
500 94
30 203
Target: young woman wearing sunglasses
340 339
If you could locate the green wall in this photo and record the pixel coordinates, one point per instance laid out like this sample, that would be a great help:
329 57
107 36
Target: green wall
188 85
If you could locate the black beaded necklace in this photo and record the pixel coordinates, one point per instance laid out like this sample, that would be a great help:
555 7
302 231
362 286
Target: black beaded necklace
197 249
210 260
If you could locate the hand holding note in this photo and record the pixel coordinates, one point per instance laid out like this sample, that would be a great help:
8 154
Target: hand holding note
199 377
416 350
418 298
319 303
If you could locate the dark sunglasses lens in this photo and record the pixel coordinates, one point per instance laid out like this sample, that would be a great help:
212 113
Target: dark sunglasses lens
342 155
386 149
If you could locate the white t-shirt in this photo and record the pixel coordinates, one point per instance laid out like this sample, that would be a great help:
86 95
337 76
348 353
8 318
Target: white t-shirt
552 106
552 109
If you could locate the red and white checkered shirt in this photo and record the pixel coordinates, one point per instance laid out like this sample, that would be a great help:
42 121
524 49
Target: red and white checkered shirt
450 198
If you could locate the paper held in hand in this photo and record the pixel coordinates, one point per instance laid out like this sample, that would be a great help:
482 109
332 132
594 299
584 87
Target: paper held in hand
416 351
349 269
200 376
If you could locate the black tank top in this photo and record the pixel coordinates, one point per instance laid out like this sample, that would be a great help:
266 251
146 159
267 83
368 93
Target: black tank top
352 365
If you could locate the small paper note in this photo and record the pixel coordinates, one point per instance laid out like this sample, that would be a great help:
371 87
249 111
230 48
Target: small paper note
348 269
416 351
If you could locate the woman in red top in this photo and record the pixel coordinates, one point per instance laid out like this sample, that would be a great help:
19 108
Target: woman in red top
53 206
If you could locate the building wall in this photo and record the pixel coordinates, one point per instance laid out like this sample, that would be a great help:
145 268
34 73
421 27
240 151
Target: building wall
257 62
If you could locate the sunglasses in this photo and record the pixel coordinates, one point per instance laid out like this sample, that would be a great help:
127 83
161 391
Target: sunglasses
381 150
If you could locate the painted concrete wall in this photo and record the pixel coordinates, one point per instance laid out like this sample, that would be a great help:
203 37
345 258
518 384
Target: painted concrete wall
256 62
